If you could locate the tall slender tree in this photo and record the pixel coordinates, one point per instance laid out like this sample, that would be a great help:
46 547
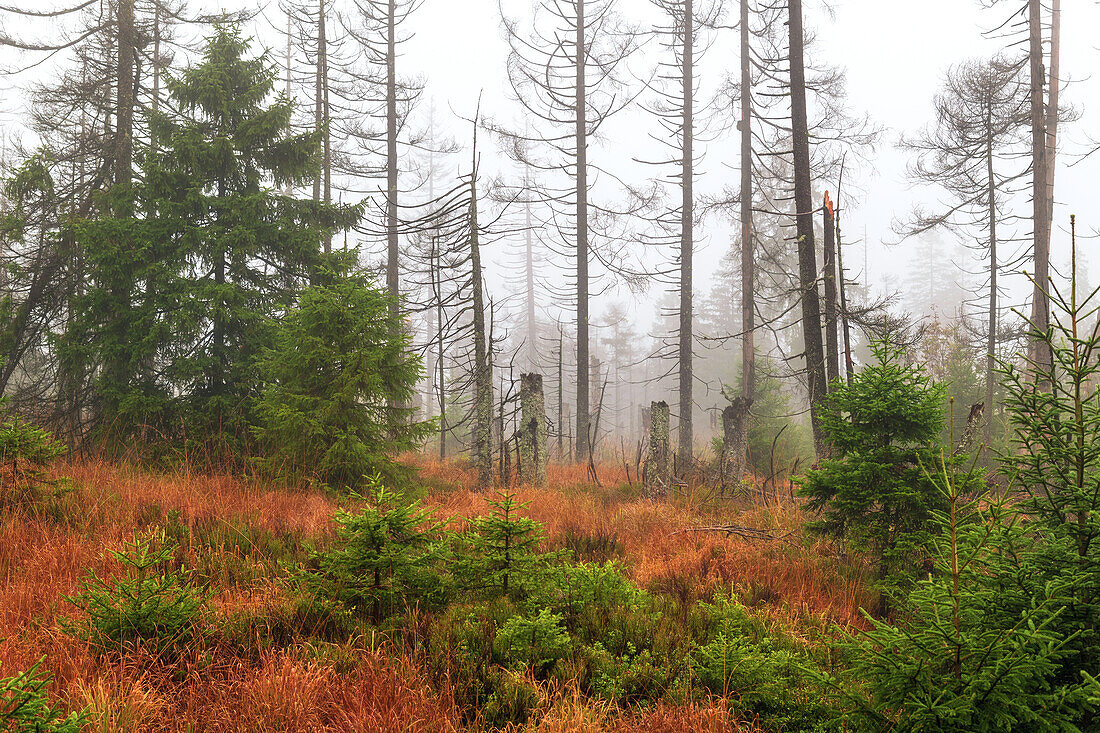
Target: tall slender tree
565 72
804 210
682 37
977 151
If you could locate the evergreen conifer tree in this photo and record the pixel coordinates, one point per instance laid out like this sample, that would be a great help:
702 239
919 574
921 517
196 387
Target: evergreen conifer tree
185 279
334 383
874 492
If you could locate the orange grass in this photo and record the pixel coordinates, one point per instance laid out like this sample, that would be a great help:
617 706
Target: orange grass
796 580
44 555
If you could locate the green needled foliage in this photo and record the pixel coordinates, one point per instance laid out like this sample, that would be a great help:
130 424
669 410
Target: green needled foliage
334 385
874 492
501 550
1055 461
386 558
149 603
955 664
25 453
188 268
25 708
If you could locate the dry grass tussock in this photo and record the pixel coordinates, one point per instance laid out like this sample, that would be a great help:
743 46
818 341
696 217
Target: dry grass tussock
795 577
46 550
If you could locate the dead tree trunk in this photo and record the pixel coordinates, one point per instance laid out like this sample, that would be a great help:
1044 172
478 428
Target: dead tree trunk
581 132
659 465
483 368
1040 305
748 274
735 443
832 345
804 209
687 245
533 451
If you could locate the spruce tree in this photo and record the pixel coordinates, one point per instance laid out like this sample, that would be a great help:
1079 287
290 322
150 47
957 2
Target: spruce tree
873 492
183 287
1054 461
953 663
332 383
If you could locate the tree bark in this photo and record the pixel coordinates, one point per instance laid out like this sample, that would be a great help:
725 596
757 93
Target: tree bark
832 345
533 432
1040 305
529 273
687 209
581 134
1054 85
748 274
735 420
803 197
659 473
393 254
991 337
483 369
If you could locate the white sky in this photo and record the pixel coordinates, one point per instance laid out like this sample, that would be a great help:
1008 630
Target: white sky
895 53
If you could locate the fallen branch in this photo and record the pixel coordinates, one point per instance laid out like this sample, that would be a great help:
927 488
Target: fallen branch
748 533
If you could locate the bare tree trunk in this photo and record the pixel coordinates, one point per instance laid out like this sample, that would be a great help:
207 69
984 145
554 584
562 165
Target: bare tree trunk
532 461
848 367
687 210
392 251
991 337
561 392
581 134
124 132
529 272
659 473
748 274
807 258
1040 305
441 387
483 369
1054 85
735 441
831 336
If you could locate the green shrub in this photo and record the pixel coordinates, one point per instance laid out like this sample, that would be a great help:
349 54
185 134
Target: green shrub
587 595
764 676
500 553
533 643
25 708
384 558
148 603
25 454
334 385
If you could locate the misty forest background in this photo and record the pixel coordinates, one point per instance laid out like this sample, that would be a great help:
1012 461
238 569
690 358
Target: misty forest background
620 269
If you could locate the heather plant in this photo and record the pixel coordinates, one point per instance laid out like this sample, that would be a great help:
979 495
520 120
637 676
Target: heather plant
150 602
761 674
25 707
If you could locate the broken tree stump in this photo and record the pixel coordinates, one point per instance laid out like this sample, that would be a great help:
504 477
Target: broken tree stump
532 443
659 464
735 439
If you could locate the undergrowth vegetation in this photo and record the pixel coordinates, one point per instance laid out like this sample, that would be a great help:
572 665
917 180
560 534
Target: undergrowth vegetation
193 601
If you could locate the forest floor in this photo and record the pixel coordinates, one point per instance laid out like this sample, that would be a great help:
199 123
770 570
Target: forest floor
258 672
